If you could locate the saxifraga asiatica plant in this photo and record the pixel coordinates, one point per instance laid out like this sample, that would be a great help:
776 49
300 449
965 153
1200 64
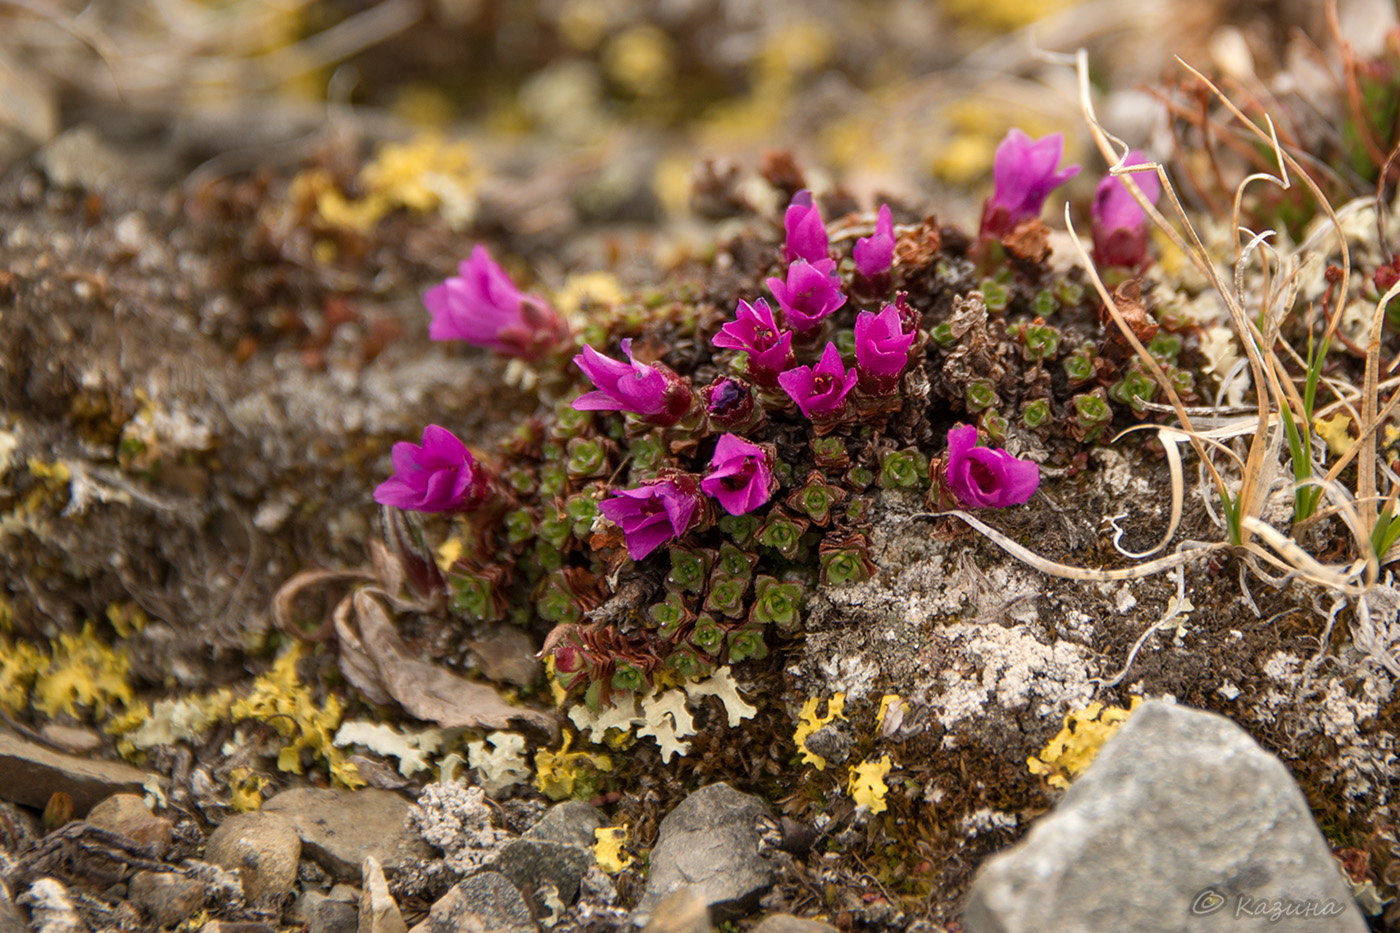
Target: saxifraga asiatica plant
744 492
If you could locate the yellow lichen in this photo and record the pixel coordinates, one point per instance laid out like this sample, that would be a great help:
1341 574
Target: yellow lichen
425 175
448 552
976 127
83 672
557 774
20 663
1336 431
801 47
1003 15
642 59
281 702
608 849
556 689
890 716
127 617
53 472
589 288
245 787
867 783
672 181
1075 747
810 722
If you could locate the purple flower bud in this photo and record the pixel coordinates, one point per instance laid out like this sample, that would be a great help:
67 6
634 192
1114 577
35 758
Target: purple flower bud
483 307
1025 174
882 349
875 254
810 293
806 233
650 390
821 389
652 514
756 333
1119 224
980 477
729 402
741 475
438 476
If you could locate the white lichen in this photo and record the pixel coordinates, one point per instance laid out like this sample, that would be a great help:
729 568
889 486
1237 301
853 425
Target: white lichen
503 764
1014 670
667 721
414 750
457 820
721 684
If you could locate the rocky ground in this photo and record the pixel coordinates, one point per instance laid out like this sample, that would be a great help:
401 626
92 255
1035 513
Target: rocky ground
207 350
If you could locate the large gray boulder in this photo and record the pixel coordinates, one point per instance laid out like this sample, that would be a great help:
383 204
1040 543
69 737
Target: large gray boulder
1182 823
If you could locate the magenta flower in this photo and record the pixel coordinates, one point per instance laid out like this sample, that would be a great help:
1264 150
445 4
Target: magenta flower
741 475
440 475
1025 173
810 293
651 514
821 389
1120 225
980 477
806 233
652 391
882 349
875 254
756 333
483 307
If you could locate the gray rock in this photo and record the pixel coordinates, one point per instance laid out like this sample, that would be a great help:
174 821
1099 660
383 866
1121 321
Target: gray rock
485 901
11 920
570 823
378 911
167 898
128 815
1183 822
80 159
30 774
542 866
72 739
709 842
682 911
262 847
341 828
322 914
787 923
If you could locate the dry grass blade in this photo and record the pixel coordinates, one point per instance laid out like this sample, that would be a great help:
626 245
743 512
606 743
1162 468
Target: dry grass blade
1178 494
1188 551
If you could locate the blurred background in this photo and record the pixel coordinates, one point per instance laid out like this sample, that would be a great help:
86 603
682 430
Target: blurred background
569 111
